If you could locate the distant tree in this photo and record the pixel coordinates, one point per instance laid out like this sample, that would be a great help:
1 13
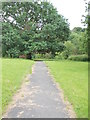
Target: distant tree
80 41
78 29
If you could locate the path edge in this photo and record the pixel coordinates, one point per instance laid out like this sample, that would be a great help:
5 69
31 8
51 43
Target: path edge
68 105
25 79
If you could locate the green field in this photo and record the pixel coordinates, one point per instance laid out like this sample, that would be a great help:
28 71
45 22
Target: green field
13 73
73 79
0 89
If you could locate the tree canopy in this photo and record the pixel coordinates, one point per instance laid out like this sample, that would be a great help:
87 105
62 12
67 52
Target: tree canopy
32 27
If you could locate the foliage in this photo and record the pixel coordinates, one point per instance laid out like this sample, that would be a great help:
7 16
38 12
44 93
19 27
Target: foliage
64 54
77 44
36 28
43 56
78 29
85 18
11 41
68 50
72 77
54 43
58 56
37 25
78 57
80 41
69 47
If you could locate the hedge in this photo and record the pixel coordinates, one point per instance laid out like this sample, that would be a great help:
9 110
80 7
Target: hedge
79 57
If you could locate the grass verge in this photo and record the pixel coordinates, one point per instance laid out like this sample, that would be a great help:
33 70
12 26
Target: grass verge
72 77
13 72
0 89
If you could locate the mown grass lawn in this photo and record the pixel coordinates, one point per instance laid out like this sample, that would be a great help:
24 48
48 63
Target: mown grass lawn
13 72
72 77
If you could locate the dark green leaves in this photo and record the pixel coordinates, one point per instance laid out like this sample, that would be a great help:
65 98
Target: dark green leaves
32 27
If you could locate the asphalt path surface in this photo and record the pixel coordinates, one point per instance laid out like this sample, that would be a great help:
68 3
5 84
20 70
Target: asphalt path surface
41 97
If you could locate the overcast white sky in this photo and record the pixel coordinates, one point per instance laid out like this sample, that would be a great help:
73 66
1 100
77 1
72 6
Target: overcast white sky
71 10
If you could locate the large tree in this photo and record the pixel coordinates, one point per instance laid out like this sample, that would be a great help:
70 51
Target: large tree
39 25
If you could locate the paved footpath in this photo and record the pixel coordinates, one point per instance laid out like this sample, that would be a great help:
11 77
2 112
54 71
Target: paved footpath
41 97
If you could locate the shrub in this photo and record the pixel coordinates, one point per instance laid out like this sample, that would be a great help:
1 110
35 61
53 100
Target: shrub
58 55
48 56
38 56
78 57
64 54
43 56
69 48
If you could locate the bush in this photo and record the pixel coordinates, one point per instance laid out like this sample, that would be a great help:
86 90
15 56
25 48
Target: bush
64 54
58 55
43 56
38 56
48 56
78 57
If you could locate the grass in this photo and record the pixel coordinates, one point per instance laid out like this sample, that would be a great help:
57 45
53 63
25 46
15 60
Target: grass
0 89
73 79
13 73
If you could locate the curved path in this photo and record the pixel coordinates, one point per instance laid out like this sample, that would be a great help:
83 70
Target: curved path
40 99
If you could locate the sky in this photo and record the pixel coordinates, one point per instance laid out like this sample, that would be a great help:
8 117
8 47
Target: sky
71 10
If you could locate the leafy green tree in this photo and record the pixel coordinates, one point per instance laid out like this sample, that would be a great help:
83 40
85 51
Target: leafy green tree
40 28
54 43
78 29
80 41
11 41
